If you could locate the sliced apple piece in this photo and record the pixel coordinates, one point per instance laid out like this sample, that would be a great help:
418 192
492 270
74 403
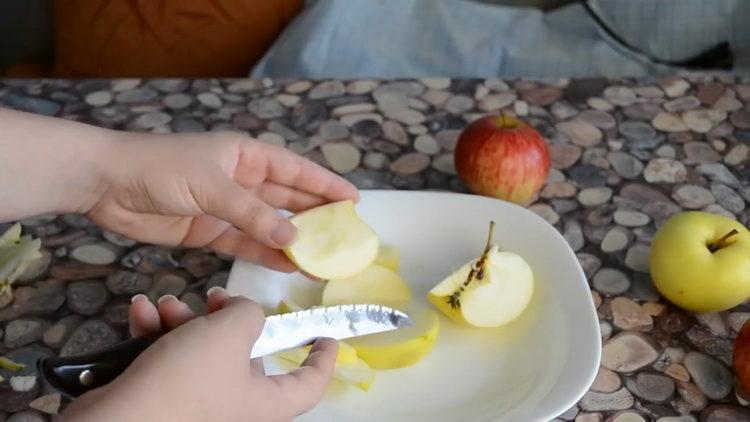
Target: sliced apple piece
11 236
350 369
358 374
403 347
389 257
346 353
376 285
286 306
15 258
332 241
489 291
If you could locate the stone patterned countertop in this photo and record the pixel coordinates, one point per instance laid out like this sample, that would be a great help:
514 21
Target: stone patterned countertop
627 154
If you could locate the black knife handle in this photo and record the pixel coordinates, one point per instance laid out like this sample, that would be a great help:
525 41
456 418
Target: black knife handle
75 375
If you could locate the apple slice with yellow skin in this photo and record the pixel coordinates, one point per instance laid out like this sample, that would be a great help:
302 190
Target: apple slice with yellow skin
286 306
489 291
375 285
346 354
389 257
350 369
403 347
332 241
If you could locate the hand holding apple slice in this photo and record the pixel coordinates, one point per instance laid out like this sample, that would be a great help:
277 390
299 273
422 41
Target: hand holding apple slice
489 291
332 241
700 261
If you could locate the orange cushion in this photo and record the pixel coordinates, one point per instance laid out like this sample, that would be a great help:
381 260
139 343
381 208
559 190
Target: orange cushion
165 38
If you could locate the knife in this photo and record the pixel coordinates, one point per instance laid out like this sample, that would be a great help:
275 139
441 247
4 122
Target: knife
75 375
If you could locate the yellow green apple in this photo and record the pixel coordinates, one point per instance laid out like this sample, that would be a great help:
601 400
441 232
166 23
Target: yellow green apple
700 261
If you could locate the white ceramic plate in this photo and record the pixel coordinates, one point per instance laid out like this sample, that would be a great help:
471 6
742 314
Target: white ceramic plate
531 370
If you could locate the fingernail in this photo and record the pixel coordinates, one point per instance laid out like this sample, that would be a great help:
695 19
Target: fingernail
216 290
322 343
166 298
138 298
284 233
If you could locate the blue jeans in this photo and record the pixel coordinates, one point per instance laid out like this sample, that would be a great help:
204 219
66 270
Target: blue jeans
461 38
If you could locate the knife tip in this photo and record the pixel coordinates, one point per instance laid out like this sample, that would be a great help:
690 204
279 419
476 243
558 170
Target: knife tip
401 319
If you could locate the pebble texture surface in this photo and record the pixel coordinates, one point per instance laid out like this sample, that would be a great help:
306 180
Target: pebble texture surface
626 155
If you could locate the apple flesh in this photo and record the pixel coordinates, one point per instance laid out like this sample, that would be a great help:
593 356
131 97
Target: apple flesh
502 157
700 261
376 285
389 257
332 241
489 291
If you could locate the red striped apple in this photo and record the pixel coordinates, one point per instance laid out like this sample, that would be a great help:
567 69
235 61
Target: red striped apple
502 157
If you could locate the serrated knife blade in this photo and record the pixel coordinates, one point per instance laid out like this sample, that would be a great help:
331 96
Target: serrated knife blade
301 328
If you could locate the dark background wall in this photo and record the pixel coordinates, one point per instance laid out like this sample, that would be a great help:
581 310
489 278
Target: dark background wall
25 31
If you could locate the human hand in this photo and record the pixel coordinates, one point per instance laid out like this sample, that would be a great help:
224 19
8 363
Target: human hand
217 190
200 369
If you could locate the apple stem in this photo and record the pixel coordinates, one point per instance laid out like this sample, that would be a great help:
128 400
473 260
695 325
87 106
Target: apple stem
507 121
490 235
477 270
723 242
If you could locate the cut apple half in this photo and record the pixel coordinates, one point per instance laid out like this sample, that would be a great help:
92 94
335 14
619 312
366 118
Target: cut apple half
498 298
375 285
332 241
403 347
